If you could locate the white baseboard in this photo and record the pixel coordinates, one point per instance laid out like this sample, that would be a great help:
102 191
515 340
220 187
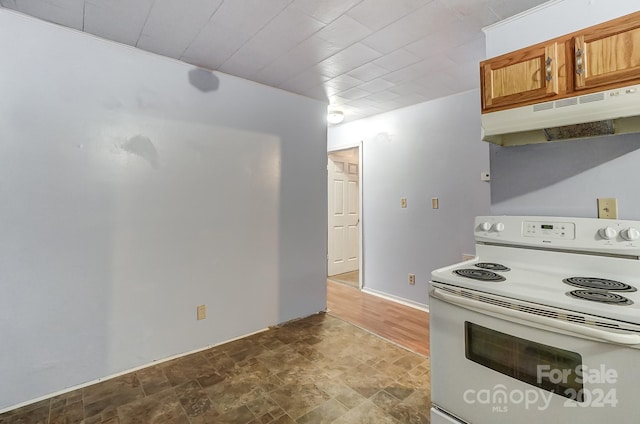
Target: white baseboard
109 377
397 299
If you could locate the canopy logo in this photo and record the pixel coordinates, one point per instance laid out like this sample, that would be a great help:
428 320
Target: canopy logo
571 383
499 398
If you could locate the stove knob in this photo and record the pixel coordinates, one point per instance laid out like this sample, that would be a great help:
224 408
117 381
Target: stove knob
607 233
485 226
498 227
630 234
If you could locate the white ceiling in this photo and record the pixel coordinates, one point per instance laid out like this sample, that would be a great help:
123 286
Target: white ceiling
367 56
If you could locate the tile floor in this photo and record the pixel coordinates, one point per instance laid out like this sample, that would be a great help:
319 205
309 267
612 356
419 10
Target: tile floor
318 369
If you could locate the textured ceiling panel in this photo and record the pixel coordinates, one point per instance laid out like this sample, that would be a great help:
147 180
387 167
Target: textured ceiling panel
172 25
365 56
64 12
100 15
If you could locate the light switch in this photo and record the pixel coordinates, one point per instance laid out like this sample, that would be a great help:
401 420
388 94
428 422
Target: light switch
202 312
608 208
434 203
403 202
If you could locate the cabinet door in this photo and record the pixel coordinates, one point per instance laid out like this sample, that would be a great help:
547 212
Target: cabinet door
521 77
608 54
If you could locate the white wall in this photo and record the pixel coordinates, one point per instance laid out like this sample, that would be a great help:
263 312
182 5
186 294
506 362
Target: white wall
563 178
428 150
130 196
552 19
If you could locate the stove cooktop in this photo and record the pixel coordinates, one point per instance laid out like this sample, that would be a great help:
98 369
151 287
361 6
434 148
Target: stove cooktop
615 297
584 265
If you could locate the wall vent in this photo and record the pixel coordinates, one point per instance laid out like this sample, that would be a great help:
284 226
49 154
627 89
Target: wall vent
542 106
595 97
567 102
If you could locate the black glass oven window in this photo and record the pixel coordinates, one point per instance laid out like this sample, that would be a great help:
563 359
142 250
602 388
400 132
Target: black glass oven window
523 360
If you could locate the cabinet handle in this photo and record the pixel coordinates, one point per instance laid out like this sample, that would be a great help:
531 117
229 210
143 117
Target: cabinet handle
579 62
549 69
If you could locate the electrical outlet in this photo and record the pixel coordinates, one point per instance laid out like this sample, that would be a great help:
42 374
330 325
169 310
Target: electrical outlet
412 279
403 202
608 208
202 312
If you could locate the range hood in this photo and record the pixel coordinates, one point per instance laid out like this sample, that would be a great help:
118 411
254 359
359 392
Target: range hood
615 111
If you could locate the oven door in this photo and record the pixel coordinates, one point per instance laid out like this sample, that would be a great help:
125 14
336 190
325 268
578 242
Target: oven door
490 366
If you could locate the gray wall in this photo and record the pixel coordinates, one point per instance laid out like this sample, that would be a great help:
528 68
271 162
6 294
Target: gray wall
432 149
563 178
135 188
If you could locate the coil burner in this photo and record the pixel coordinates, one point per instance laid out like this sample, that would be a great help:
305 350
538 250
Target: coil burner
599 284
601 297
479 274
492 266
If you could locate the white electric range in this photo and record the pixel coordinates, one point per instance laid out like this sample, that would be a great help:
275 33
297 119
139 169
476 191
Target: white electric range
543 324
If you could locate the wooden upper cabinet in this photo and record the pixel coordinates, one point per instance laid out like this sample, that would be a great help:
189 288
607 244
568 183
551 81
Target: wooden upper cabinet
523 76
598 58
608 54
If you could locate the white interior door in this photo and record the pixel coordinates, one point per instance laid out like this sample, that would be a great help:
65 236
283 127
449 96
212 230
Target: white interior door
344 218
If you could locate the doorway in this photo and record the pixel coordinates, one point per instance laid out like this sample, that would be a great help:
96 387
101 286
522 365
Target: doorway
344 217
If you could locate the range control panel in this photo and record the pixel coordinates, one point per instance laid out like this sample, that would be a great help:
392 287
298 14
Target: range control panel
580 234
546 229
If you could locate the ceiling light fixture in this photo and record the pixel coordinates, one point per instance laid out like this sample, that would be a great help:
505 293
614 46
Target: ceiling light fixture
335 116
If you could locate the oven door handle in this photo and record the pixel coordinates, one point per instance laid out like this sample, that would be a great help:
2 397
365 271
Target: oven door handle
602 335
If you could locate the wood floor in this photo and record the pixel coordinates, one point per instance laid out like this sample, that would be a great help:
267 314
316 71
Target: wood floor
349 278
406 326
